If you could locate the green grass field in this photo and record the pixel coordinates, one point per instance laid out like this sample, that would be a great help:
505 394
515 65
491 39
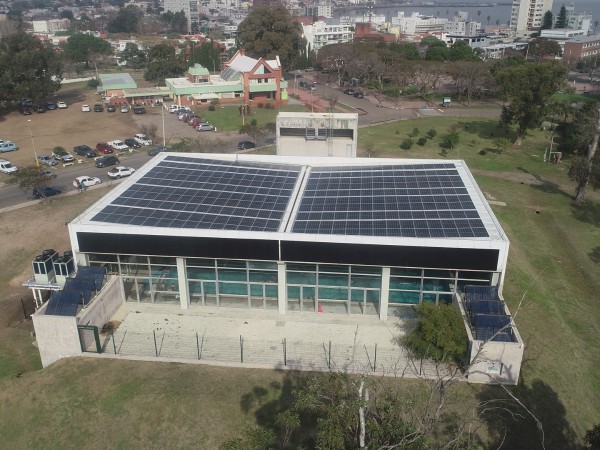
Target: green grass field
228 118
552 286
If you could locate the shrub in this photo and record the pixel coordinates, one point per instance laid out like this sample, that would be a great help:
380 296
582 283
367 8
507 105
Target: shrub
93 83
407 144
483 151
422 141
414 133
214 101
450 140
211 107
397 131
431 133
260 105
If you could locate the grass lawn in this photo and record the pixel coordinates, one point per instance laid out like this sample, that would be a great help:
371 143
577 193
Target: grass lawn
553 267
227 118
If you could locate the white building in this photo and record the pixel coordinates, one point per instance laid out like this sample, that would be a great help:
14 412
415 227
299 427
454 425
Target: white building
189 8
463 27
50 26
527 16
582 21
319 9
418 24
320 34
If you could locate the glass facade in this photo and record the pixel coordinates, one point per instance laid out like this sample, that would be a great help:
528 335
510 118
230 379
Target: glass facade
327 288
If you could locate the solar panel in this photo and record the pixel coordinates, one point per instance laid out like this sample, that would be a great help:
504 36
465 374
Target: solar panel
183 192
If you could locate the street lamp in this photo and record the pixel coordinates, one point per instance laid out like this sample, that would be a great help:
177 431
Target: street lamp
296 83
32 143
214 64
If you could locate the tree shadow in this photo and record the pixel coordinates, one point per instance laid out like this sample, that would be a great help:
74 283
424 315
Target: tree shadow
595 255
485 129
588 212
546 186
511 426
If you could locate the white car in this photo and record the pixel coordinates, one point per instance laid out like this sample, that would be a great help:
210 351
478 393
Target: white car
6 166
124 109
85 108
86 181
120 172
61 105
118 145
173 108
143 139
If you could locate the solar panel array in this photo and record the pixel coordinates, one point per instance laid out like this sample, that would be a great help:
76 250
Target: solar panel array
487 314
411 200
183 192
77 291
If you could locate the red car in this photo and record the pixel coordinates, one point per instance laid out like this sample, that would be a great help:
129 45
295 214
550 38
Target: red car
103 147
194 121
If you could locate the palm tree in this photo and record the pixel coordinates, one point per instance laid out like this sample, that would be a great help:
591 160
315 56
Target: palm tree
488 19
596 23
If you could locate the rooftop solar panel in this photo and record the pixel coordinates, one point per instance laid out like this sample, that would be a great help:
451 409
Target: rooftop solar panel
412 200
183 192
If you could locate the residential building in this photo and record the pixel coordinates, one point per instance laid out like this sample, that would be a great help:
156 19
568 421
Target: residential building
417 23
319 9
580 21
527 16
322 33
50 26
189 8
580 48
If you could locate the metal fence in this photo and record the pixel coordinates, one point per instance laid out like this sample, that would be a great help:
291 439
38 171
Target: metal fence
298 355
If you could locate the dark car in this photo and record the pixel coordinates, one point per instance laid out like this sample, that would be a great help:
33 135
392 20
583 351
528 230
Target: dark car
98 107
51 106
107 161
243 145
40 109
111 108
132 143
103 147
139 109
156 150
84 150
349 91
359 94
26 111
45 191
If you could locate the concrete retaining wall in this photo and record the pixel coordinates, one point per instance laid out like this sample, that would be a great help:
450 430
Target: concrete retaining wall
104 305
57 336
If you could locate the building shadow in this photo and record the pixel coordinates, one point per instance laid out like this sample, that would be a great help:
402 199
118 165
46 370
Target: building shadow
512 426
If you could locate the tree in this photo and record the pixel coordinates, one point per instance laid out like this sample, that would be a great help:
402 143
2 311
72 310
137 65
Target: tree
269 32
407 50
528 89
587 132
254 130
66 14
133 56
469 77
127 20
548 20
176 22
86 48
162 63
206 55
592 438
541 47
28 68
461 51
29 177
450 140
561 20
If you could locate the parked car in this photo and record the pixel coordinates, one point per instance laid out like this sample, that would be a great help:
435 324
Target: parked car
51 106
120 172
143 139
205 127
26 103
84 150
132 143
183 115
7 146
62 155
243 145
118 145
156 150
111 108
349 91
173 108
98 107
26 111
139 109
309 69
47 160
194 121
44 191
41 108
47 174
107 161
85 108
61 105
6 166
86 181
103 147
124 109
359 94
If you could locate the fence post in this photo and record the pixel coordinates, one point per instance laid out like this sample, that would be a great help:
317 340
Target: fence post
24 311
198 345
375 359
112 336
241 348
329 357
155 346
284 351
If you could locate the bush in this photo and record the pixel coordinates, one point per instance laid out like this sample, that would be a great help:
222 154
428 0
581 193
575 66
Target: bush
407 144
414 133
397 132
93 83
431 133
483 151
214 101
260 105
450 140
422 141
211 107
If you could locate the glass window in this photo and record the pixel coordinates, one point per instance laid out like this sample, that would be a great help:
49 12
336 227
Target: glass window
439 273
366 281
413 284
333 294
231 263
135 269
333 280
233 288
301 278
196 262
266 277
139 259
266 265
333 268
407 298
402 271
232 275
163 260
367 270
301 267
102 257
201 273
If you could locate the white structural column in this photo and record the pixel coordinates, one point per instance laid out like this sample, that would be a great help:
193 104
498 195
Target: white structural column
281 287
384 297
184 293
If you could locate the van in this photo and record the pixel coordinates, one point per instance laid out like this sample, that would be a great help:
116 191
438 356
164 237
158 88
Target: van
6 166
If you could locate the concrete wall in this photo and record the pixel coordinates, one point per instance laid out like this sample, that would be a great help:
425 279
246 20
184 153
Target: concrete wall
104 305
299 146
498 362
56 336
